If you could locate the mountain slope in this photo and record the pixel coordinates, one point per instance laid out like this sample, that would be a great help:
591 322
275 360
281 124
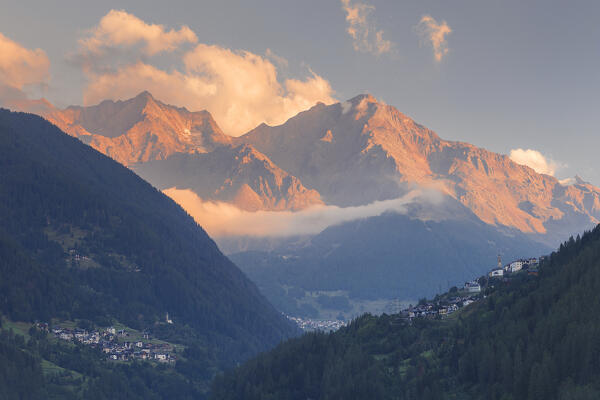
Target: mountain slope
139 129
242 176
144 255
391 256
532 338
352 154
361 150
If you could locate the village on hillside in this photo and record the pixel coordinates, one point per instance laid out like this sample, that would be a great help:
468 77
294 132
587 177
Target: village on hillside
322 325
442 305
122 345
116 344
472 291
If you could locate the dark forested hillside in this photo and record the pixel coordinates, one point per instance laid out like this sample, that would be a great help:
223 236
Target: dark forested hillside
532 337
82 237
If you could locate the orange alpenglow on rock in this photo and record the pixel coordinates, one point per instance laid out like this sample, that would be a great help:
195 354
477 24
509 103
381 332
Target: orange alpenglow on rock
345 154
379 153
140 129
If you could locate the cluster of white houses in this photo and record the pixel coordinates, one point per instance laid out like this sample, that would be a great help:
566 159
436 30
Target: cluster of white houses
471 291
439 308
115 345
310 325
529 264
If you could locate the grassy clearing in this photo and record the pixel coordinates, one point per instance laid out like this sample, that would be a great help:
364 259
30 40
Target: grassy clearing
135 336
19 328
49 368
68 240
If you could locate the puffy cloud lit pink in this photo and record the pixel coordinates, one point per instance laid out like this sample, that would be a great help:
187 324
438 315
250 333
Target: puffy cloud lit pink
366 37
435 33
119 28
535 160
239 88
20 66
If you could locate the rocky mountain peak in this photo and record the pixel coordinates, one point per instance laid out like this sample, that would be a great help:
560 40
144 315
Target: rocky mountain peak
362 150
349 153
240 175
139 129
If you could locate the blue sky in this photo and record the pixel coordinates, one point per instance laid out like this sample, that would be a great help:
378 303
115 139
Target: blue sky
516 74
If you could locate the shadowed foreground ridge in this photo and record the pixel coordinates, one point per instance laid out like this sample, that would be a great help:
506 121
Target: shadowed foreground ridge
145 257
535 338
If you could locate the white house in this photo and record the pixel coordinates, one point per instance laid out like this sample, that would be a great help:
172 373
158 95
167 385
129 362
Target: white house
516 266
496 273
472 287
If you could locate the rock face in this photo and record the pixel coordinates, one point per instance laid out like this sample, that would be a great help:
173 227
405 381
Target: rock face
140 129
348 154
361 150
239 175
473 204
171 146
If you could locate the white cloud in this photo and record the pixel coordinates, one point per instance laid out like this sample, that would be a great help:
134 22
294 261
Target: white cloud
277 59
119 28
20 66
366 38
223 219
535 160
346 107
567 181
241 89
429 29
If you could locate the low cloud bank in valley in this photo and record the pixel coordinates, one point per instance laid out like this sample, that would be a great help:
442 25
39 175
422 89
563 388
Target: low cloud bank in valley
223 219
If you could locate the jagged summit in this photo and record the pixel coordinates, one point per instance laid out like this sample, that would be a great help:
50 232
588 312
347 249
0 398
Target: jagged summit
361 150
351 153
139 129
580 181
363 96
240 175
144 95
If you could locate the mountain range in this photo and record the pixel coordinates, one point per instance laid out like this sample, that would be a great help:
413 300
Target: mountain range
135 130
362 150
345 156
